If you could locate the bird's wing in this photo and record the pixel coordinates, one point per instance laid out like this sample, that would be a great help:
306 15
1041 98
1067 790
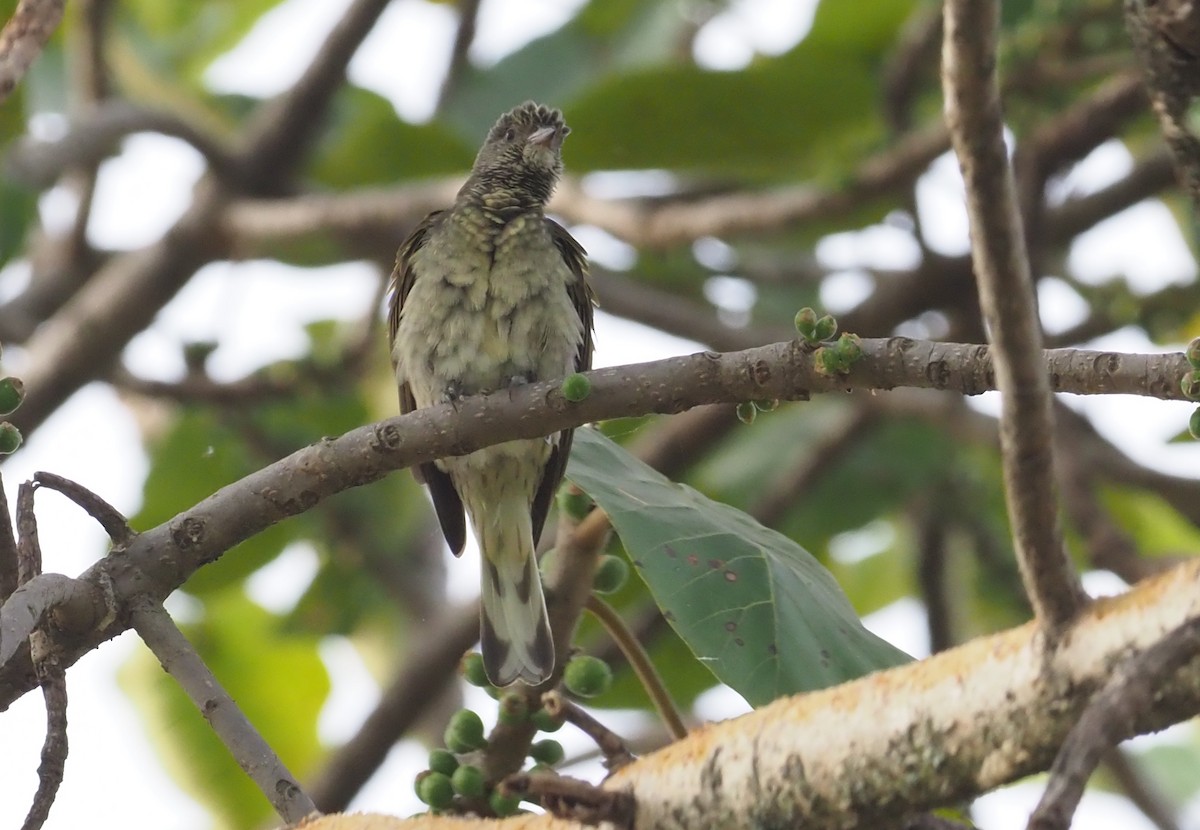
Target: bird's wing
583 299
446 500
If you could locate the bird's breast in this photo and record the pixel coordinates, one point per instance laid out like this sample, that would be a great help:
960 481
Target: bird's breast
488 304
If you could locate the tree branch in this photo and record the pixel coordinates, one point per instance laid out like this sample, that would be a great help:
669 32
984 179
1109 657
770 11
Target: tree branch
253 754
1125 698
96 134
23 37
85 338
1006 297
958 724
159 560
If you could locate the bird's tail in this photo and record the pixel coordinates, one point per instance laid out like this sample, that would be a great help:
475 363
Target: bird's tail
514 627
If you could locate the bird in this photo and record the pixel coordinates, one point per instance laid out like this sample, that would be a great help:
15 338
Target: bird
491 294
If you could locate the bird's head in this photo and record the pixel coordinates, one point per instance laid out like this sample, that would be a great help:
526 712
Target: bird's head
523 152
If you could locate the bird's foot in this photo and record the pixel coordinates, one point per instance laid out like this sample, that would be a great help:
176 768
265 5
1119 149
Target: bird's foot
519 380
452 393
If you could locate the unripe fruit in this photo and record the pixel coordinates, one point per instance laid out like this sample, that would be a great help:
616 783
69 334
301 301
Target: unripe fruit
611 574
1191 385
587 676
503 804
10 438
435 790
746 412
825 328
850 348
545 722
1194 425
574 502
549 752
806 324
576 387
443 761
12 392
465 732
468 781
1192 353
471 667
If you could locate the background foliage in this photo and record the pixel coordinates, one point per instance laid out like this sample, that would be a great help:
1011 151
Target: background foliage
898 496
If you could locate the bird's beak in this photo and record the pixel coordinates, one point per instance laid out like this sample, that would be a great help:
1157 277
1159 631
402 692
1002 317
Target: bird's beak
545 137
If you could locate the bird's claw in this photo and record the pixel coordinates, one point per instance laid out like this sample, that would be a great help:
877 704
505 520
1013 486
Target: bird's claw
452 393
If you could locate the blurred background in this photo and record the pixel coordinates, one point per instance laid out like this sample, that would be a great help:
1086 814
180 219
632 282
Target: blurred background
730 162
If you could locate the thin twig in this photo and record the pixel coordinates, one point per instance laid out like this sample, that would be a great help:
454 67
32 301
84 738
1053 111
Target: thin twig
9 559
53 679
1006 296
641 664
29 549
111 519
610 744
20 619
575 800
23 37
1131 691
932 580
253 754
468 14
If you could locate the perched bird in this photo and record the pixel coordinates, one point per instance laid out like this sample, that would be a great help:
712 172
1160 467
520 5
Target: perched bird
488 295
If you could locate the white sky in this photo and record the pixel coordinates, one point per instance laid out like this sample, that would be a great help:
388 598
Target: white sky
256 311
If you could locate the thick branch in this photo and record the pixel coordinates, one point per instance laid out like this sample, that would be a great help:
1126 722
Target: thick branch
908 739
1006 297
159 560
96 135
1127 696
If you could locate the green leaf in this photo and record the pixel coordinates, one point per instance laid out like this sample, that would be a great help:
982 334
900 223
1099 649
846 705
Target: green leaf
757 608
278 681
604 38
196 457
685 677
806 113
1173 768
189 36
366 143
18 208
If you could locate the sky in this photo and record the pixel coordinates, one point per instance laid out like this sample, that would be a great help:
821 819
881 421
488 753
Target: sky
245 307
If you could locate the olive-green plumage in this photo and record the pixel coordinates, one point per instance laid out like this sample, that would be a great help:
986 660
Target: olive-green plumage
487 295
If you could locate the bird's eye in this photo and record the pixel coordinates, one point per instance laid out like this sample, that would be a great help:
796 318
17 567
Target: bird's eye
510 134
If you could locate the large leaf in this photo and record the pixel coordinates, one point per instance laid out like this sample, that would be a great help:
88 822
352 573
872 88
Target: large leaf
604 37
763 614
806 113
188 36
366 143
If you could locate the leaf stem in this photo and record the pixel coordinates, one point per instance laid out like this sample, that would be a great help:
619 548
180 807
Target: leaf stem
643 667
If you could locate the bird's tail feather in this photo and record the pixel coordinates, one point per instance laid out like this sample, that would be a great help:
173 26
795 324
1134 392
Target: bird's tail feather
514 627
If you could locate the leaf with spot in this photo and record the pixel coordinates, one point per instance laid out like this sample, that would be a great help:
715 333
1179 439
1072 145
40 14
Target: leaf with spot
753 605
